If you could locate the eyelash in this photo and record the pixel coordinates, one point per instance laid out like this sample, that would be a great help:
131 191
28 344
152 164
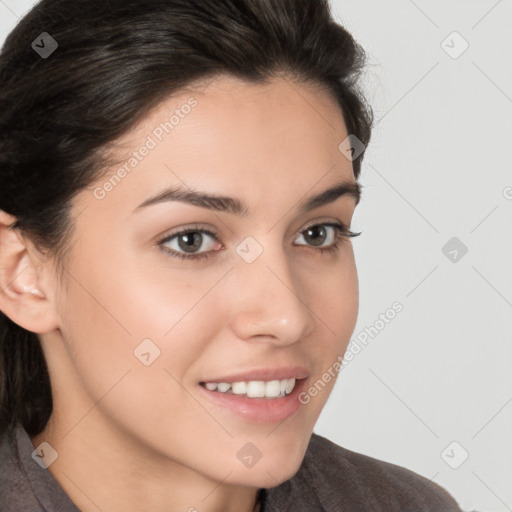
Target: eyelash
341 233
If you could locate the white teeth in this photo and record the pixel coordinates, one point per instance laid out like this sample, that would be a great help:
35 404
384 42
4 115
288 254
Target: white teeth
290 386
273 388
239 388
255 388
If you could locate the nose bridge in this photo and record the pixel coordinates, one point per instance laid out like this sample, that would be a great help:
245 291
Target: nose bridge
268 299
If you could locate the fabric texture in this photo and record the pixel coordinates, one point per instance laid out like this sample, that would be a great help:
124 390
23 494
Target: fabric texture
330 479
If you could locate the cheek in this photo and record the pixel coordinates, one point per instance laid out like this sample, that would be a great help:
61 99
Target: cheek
110 327
130 345
336 304
334 301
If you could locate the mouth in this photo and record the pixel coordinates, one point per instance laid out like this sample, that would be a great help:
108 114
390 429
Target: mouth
258 401
271 389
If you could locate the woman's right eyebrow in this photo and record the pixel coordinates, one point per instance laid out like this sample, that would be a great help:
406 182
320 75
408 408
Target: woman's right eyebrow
234 206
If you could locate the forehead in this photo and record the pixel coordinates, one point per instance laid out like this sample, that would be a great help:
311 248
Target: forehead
243 139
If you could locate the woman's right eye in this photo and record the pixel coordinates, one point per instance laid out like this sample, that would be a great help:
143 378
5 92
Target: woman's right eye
187 240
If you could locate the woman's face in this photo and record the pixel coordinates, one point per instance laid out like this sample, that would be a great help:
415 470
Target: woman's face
141 330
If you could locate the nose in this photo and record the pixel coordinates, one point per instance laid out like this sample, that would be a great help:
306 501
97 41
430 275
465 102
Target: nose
268 300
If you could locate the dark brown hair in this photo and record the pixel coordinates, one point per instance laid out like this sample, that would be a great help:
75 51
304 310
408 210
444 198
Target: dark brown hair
116 60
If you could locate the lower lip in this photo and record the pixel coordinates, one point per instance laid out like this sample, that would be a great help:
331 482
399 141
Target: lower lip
259 410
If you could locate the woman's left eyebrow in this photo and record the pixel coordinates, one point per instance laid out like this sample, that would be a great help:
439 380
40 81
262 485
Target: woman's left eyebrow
234 206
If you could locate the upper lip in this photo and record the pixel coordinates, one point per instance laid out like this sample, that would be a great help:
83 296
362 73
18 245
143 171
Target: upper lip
266 374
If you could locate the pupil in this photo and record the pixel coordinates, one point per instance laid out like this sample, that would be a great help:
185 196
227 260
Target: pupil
191 242
314 229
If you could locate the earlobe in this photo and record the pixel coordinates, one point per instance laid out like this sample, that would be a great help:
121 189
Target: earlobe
22 299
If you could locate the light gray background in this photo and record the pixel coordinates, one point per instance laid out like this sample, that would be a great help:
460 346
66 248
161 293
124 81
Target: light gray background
438 167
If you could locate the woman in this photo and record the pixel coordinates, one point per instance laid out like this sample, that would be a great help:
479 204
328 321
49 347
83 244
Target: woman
178 180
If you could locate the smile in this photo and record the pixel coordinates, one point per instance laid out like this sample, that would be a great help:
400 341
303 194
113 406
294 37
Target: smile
254 388
257 401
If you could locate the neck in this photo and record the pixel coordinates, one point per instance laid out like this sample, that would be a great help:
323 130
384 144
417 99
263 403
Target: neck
102 468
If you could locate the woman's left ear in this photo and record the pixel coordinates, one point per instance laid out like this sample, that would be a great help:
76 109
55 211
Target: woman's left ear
25 295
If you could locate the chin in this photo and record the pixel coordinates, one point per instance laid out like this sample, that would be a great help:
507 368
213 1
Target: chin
269 471
262 478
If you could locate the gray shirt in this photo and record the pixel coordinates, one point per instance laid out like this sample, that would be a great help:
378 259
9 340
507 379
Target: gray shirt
330 478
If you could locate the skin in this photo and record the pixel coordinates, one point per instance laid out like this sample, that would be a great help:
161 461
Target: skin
147 430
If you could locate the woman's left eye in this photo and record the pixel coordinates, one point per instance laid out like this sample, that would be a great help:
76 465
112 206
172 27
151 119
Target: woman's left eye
189 240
